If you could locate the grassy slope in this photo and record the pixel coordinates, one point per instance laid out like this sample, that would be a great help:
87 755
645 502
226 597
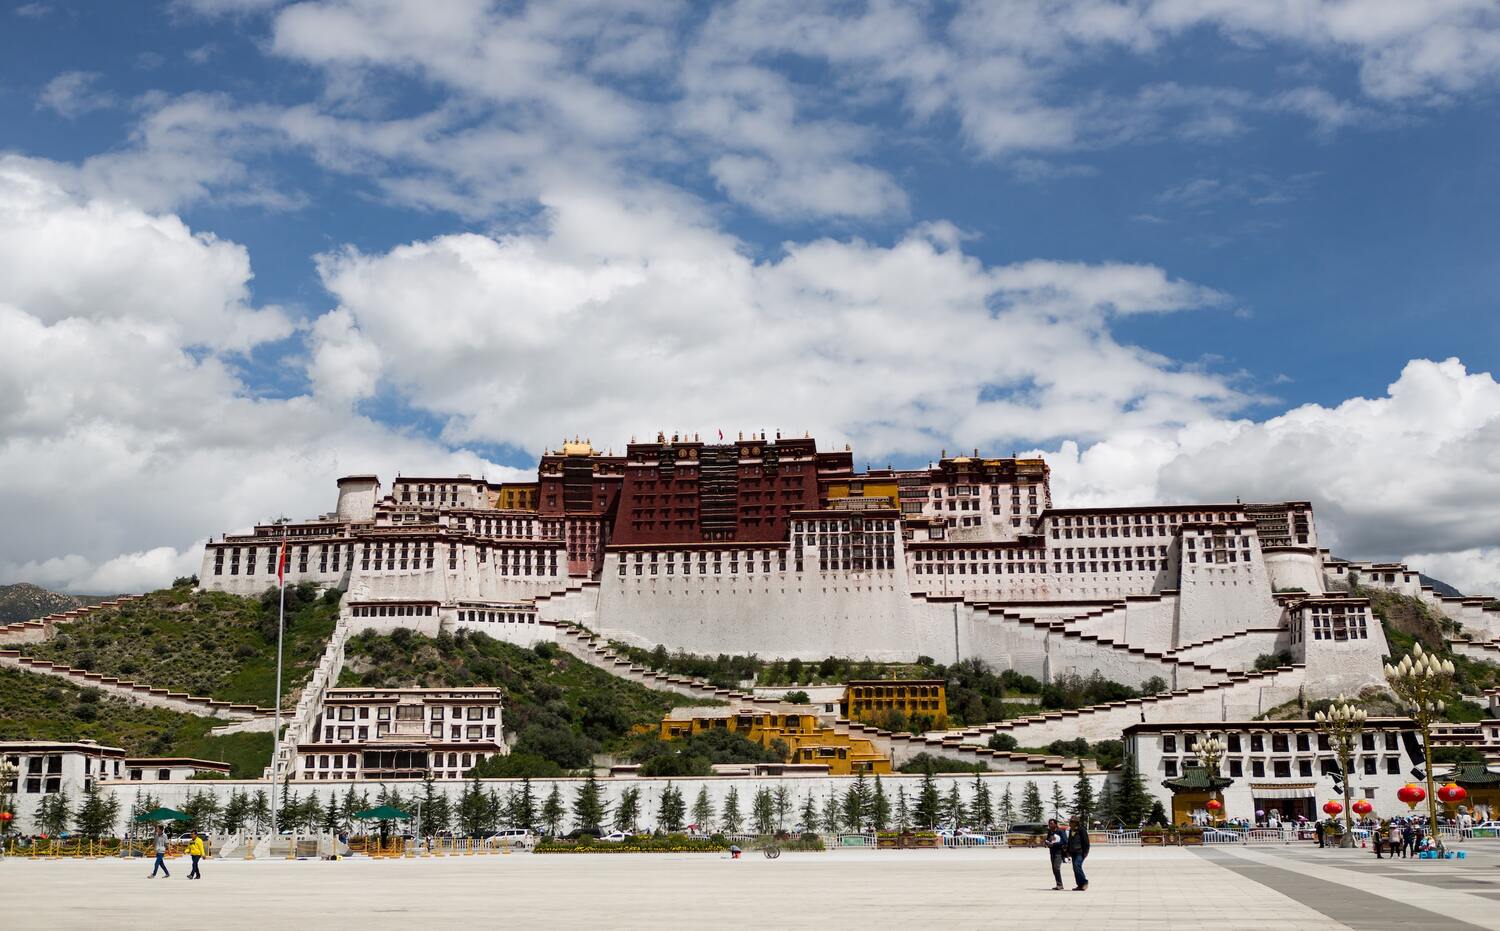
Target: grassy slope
542 687
24 601
38 707
206 643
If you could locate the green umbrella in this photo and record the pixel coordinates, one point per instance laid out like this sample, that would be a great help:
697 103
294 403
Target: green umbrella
383 813
163 814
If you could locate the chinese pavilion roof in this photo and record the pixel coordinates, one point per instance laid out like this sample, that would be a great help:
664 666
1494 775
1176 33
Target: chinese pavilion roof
1473 774
1197 779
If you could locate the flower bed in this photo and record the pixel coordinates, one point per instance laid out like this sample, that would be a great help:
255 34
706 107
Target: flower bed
675 843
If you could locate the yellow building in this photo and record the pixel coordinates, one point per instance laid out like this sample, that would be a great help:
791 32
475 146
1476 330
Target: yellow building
806 740
515 496
869 700
870 489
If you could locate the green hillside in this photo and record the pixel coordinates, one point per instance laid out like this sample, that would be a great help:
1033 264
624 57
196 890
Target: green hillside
40 707
562 709
207 643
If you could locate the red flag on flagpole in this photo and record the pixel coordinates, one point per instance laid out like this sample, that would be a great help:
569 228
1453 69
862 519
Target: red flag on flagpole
281 564
721 434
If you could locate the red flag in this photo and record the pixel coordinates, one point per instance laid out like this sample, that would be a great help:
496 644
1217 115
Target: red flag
281 564
721 434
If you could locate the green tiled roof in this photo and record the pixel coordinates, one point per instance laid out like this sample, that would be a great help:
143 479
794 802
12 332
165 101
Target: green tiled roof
1472 774
1197 779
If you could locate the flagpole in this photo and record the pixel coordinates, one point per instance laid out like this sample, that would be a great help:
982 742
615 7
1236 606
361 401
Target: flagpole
280 631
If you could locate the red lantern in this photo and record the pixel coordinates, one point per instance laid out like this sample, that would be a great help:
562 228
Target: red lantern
1214 804
1452 794
1412 794
1362 808
6 816
1332 808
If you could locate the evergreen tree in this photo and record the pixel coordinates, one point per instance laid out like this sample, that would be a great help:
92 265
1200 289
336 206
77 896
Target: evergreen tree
472 808
349 807
783 799
763 811
428 800
1031 803
1007 810
628 809
1083 799
810 814
903 809
236 812
553 811
856 804
981 812
929 804
1158 814
494 810
672 810
703 810
588 806
143 804
525 813
260 811
832 812
1059 801
53 814
1132 802
96 813
330 813
879 815
731 818
1108 810
203 809
953 807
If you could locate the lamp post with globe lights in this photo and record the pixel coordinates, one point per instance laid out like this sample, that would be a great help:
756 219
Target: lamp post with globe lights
1419 681
1343 722
1210 751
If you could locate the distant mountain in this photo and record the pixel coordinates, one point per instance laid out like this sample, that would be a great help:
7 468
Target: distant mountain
24 601
1441 587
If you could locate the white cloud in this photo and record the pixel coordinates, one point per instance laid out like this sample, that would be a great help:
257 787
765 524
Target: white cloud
74 93
126 432
1472 571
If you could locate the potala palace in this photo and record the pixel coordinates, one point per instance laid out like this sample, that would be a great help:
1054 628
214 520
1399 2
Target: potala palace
777 548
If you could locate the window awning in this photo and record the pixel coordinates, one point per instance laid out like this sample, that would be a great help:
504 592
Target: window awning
1283 790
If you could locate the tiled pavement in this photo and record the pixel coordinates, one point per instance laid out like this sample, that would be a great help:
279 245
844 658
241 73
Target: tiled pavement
1264 889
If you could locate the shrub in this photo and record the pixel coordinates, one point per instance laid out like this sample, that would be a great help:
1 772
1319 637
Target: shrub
797 698
1002 742
1273 660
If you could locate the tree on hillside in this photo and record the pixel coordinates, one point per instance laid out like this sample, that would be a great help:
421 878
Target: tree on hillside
1083 799
929 804
1031 802
731 819
588 806
554 811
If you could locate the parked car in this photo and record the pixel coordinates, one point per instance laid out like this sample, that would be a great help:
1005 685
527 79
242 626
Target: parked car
615 837
515 838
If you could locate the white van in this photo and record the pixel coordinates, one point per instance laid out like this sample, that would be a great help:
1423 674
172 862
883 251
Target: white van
514 838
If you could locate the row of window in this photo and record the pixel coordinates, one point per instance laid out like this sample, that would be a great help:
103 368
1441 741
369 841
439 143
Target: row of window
1282 769
435 731
1283 743
436 712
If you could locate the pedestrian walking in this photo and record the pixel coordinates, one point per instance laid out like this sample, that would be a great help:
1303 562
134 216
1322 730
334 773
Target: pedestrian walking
1318 830
195 850
1078 849
161 853
1395 838
1377 834
1057 850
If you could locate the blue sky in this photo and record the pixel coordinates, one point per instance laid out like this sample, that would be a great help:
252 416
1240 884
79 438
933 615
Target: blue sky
1133 234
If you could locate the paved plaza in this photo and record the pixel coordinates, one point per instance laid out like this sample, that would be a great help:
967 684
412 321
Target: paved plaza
1265 889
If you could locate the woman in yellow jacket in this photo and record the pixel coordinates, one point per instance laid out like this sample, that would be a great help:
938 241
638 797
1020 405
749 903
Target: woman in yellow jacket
195 850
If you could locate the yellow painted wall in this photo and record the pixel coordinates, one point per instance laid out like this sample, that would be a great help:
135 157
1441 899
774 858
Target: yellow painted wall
807 741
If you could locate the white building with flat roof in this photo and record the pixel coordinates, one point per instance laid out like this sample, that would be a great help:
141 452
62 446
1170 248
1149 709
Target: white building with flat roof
376 734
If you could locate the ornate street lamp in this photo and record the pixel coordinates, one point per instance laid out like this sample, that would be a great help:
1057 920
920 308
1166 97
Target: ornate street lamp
1210 751
1418 681
1343 722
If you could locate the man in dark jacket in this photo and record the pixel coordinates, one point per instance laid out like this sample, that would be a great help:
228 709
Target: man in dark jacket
1057 849
1078 848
